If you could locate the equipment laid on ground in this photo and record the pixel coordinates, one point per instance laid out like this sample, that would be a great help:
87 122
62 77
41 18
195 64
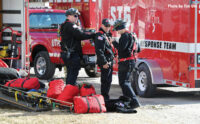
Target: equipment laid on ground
36 100
89 104
121 105
26 93
30 94
69 92
26 83
55 88
32 100
87 90
23 100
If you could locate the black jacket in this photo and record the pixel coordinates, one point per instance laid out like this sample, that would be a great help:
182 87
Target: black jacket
103 48
71 36
125 45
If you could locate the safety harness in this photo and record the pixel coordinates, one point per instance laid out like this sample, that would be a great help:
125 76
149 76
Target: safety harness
132 57
113 48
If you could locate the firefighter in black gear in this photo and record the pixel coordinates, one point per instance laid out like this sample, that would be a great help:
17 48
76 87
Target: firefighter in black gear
71 36
105 56
126 57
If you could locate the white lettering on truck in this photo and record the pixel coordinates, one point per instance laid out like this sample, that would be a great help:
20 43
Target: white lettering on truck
127 14
113 17
55 43
124 12
119 9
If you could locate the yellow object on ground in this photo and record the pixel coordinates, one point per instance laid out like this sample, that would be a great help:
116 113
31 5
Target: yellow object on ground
34 94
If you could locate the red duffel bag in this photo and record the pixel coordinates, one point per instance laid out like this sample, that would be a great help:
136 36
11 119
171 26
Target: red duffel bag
89 104
87 90
26 83
68 94
55 88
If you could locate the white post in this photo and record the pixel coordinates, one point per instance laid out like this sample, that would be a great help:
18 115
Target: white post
23 45
195 35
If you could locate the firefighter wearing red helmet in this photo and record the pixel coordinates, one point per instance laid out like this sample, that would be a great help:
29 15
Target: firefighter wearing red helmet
126 57
105 56
71 36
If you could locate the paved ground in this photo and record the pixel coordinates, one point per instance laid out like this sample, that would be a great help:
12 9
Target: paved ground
174 105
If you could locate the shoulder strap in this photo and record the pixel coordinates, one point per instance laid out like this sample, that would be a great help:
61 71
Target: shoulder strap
11 82
87 104
98 103
113 48
24 82
134 45
101 32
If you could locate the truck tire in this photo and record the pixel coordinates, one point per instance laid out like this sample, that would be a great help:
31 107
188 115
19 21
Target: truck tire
92 72
43 67
143 83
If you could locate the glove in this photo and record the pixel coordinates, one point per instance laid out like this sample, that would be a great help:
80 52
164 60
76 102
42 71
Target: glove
93 35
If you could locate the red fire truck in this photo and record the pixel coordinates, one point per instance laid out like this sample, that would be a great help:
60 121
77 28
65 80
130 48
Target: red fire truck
168 33
14 43
45 44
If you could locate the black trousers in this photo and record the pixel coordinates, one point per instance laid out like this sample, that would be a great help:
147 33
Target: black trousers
106 79
73 66
125 69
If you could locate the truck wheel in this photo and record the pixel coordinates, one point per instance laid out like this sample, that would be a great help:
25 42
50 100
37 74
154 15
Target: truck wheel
43 67
92 71
143 82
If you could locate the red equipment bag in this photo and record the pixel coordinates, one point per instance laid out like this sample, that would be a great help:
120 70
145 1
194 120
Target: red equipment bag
55 88
89 104
87 90
26 83
67 95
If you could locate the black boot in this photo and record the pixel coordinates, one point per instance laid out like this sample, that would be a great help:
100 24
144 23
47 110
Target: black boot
111 105
134 103
123 106
125 110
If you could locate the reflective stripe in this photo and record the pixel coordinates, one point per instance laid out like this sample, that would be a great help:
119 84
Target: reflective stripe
177 83
125 59
54 55
173 46
101 32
